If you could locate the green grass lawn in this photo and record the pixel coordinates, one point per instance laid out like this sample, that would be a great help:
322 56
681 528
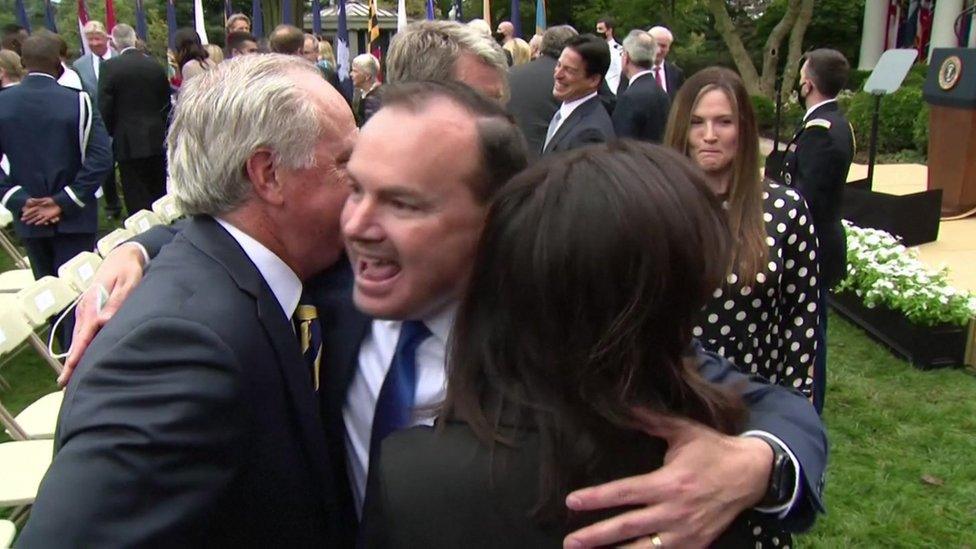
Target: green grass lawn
903 444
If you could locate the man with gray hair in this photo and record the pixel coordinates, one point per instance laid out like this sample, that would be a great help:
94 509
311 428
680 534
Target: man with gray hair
667 75
193 419
642 109
532 103
447 50
134 99
364 74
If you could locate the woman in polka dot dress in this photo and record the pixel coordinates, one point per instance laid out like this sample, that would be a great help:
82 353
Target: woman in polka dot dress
764 319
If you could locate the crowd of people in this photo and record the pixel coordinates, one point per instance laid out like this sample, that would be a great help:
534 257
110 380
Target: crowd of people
530 293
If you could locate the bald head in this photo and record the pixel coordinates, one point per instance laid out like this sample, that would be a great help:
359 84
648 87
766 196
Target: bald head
41 53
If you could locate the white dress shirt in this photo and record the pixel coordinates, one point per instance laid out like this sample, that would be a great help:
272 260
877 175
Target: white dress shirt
283 281
613 72
69 78
664 76
567 109
98 60
375 357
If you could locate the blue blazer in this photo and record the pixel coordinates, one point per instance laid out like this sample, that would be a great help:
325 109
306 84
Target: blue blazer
589 123
41 129
191 420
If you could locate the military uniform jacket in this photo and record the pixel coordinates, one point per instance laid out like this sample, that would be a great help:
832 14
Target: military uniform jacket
816 164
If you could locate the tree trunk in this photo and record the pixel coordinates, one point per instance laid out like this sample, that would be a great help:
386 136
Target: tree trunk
796 48
726 28
767 85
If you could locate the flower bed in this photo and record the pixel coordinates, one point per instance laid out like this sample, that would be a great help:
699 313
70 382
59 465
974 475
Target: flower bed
893 296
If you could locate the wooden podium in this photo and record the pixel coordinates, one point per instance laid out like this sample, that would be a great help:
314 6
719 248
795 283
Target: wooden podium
950 90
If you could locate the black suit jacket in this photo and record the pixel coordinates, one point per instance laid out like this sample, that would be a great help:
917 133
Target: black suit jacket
191 420
642 111
816 164
674 77
589 123
134 100
531 102
426 475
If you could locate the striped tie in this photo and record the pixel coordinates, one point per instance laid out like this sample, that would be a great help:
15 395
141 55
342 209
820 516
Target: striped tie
310 338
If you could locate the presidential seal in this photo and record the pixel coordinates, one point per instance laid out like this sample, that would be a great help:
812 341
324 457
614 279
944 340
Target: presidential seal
949 72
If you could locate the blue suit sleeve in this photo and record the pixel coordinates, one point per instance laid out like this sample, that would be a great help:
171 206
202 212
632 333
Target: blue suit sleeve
98 161
789 417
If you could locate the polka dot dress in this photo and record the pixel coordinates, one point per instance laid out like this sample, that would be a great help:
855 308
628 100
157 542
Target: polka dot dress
767 326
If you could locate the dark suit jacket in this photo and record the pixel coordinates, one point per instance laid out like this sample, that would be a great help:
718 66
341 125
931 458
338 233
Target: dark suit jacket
191 420
642 111
816 164
531 102
445 489
588 124
783 413
134 100
39 133
674 77
367 105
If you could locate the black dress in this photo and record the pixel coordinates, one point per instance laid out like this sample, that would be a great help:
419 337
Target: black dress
768 326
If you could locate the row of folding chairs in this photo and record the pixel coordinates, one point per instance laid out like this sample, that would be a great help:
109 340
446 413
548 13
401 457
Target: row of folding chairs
26 307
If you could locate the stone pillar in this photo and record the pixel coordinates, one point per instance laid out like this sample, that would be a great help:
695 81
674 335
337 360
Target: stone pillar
872 33
943 22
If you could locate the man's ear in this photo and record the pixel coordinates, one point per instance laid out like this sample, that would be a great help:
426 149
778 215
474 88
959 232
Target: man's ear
261 170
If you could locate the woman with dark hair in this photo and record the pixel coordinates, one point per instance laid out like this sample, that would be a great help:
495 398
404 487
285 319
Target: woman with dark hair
764 317
577 320
190 55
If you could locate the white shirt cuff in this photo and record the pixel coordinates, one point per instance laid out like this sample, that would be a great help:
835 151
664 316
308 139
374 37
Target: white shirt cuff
781 510
142 250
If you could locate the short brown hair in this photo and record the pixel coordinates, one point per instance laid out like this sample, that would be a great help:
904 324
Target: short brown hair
828 69
286 39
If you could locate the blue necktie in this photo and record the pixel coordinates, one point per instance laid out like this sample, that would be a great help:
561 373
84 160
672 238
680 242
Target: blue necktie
394 407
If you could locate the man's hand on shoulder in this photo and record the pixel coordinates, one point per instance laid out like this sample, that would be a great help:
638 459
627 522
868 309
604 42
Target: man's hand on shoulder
707 480
115 279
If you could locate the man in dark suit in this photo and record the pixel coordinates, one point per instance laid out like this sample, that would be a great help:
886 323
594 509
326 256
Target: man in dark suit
193 418
531 101
581 118
89 67
642 110
58 152
668 75
134 100
816 164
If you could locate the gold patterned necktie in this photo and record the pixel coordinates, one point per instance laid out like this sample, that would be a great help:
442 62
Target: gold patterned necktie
310 338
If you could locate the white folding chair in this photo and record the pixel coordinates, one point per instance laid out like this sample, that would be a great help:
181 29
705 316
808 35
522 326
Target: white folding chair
22 466
37 421
166 209
108 242
15 280
7 533
39 302
15 330
141 221
6 220
80 270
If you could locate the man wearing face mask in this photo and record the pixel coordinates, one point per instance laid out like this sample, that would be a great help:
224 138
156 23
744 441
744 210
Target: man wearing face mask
816 164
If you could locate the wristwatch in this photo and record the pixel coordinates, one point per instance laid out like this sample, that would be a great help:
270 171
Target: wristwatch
782 478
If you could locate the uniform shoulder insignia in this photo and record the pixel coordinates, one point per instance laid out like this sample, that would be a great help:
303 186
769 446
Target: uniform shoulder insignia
818 123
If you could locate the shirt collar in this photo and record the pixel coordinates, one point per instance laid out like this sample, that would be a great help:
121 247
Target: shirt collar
817 106
638 75
568 107
41 74
127 49
284 283
440 323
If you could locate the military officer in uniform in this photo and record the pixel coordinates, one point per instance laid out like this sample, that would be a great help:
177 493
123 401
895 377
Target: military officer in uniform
816 164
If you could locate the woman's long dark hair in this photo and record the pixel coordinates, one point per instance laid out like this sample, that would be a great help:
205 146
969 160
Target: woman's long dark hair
589 272
188 47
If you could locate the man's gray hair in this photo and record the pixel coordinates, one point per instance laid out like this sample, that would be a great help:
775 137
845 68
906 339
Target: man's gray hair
641 48
227 113
660 30
555 38
428 50
124 36
93 26
368 64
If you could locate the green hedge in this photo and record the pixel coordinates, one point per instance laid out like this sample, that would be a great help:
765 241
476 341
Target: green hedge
900 125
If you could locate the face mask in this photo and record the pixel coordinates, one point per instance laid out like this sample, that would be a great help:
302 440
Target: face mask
499 37
602 35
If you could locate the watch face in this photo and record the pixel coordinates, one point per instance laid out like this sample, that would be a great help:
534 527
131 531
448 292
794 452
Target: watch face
949 72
